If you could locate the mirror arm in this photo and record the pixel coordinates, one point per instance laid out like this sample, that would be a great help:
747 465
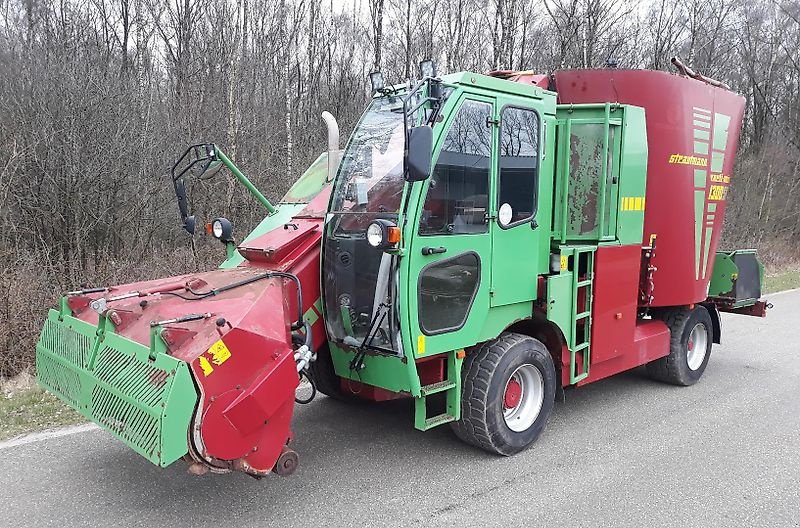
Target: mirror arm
244 181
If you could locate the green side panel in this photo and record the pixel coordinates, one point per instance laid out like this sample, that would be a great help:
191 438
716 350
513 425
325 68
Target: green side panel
388 372
559 302
722 276
632 176
148 404
701 124
737 277
703 135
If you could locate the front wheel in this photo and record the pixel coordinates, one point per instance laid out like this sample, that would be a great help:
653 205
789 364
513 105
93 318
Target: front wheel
689 346
508 391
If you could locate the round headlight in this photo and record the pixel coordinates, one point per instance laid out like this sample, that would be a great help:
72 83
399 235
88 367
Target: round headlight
375 234
221 229
217 229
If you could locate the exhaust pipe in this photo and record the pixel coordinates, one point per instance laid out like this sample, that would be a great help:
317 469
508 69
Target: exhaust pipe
334 154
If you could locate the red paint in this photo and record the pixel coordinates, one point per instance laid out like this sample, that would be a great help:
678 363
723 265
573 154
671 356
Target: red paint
525 77
247 399
650 342
513 394
616 291
759 309
668 101
368 392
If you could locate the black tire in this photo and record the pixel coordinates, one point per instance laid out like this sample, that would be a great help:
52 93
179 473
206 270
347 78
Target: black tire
485 375
324 376
674 368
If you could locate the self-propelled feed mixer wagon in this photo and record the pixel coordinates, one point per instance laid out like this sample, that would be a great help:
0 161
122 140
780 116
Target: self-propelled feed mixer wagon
482 243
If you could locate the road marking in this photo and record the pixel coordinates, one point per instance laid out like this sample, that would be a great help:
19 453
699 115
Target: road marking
47 435
781 292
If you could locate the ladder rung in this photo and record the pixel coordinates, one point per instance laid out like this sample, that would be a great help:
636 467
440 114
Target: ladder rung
440 386
580 347
439 419
583 315
583 283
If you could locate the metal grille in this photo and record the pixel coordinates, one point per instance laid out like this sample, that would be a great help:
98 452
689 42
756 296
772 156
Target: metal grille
59 379
133 425
145 403
66 343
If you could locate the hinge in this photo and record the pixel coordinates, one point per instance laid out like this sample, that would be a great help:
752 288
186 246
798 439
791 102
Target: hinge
490 121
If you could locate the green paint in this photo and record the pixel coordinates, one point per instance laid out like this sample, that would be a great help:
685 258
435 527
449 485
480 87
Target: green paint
706 252
701 124
717 159
702 134
310 183
699 202
700 176
245 181
559 303
701 147
311 316
721 124
108 379
712 206
388 372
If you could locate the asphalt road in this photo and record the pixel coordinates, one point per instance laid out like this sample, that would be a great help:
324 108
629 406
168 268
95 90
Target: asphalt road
622 452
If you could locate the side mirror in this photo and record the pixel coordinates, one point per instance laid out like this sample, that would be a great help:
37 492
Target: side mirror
418 156
188 224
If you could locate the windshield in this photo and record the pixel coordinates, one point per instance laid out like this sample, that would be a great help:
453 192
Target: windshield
370 180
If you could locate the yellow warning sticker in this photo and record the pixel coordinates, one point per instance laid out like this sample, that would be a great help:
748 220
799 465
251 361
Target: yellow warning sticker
206 366
420 344
564 262
219 353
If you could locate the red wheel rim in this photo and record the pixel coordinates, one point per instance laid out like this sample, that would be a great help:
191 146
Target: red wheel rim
513 394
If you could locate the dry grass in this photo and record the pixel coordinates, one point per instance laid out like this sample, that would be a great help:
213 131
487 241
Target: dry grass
25 408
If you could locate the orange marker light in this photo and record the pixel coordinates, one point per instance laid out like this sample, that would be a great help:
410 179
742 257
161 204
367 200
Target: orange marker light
461 354
209 228
393 235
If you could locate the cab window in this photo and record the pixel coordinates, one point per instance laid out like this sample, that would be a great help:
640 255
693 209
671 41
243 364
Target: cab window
458 192
519 164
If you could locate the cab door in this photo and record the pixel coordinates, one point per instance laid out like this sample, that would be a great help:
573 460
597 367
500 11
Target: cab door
516 237
450 252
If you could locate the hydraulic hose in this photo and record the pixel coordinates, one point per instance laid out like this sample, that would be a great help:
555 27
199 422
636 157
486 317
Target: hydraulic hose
266 275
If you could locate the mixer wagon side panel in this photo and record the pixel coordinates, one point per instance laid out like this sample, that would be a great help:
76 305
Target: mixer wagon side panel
693 132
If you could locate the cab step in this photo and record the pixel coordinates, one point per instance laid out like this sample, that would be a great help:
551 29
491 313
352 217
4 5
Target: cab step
439 419
449 387
433 388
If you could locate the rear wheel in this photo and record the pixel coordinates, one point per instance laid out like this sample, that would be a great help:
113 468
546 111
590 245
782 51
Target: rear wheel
691 334
508 392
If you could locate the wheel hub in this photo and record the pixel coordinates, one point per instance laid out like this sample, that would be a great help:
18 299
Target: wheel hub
523 398
513 394
697 346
